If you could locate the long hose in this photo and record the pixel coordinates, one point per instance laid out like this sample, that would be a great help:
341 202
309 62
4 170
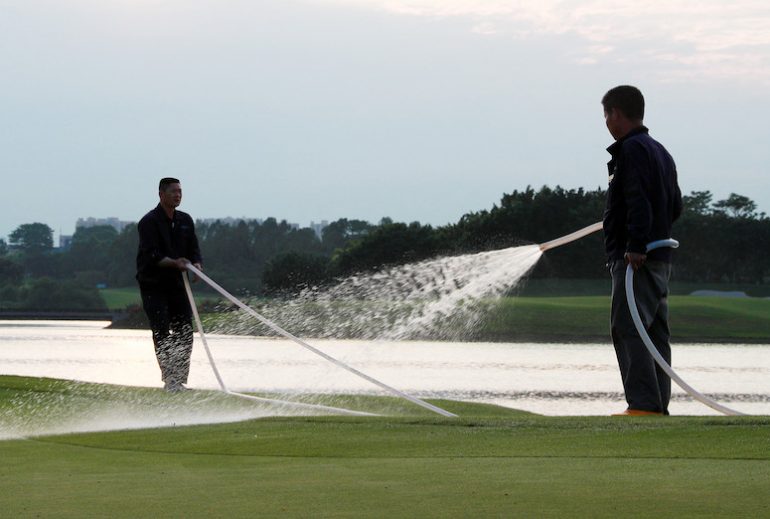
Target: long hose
640 328
299 341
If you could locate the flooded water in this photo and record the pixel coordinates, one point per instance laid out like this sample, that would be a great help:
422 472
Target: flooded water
549 379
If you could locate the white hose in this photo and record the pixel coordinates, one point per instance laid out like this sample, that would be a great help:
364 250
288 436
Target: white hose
302 343
631 299
224 388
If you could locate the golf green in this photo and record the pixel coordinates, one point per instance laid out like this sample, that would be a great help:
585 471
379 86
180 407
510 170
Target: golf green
491 462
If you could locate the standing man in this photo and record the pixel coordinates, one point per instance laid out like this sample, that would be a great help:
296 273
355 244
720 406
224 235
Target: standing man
643 200
167 242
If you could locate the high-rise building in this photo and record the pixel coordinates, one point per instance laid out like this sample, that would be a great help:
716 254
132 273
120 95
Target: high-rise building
318 228
116 223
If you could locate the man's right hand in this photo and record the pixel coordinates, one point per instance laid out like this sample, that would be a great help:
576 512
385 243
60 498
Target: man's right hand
178 263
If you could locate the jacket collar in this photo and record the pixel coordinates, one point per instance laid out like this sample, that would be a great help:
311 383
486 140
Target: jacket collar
162 213
615 146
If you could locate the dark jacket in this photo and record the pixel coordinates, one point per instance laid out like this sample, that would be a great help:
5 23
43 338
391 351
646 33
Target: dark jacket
643 198
160 237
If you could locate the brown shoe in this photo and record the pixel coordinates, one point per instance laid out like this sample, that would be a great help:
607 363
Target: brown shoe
638 412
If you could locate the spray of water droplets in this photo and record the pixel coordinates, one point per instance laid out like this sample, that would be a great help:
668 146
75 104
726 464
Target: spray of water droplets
445 298
64 406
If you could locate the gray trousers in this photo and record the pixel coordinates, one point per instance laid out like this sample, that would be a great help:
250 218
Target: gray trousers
646 386
170 319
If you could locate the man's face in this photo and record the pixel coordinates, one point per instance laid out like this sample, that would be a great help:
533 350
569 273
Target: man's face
171 196
612 120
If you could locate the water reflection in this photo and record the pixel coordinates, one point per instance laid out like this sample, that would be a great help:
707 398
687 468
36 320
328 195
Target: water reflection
551 379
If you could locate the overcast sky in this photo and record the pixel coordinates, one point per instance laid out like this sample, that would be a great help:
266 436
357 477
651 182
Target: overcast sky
321 109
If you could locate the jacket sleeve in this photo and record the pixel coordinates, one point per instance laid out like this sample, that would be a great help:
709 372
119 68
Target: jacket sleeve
677 202
149 245
635 172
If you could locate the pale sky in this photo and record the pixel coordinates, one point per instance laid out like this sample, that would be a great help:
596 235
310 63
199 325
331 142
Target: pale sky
321 109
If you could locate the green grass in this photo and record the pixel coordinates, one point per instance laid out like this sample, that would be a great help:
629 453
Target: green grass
585 318
555 287
491 462
120 298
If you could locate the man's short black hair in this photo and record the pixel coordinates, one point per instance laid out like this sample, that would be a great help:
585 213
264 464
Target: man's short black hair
165 182
626 98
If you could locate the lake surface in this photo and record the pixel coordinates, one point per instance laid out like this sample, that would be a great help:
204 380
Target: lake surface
549 379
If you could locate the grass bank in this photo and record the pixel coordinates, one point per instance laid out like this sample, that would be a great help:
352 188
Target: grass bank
555 287
586 318
491 462
120 298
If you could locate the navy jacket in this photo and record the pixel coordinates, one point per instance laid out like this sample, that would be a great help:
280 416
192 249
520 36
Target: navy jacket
160 237
643 198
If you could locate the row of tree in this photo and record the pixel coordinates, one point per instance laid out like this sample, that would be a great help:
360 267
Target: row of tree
235 255
723 241
726 240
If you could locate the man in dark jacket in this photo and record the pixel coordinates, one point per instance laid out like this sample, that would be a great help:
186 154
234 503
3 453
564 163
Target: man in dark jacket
643 200
167 242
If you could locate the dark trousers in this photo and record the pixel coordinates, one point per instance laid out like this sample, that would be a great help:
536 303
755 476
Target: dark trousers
170 319
646 386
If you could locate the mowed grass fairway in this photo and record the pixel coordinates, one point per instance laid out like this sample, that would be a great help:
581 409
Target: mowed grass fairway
491 462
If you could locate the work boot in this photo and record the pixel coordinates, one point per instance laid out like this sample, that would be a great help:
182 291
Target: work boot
638 412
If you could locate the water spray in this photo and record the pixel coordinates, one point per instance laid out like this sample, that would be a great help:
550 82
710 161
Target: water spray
225 389
631 300
299 341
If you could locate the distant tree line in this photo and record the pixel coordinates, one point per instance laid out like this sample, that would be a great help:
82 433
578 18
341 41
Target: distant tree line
722 241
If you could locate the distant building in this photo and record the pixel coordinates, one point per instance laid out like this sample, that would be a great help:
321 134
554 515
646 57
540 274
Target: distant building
113 222
65 241
318 228
232 222
229 220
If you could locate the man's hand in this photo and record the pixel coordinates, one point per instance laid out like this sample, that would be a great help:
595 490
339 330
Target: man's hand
635 259
178 263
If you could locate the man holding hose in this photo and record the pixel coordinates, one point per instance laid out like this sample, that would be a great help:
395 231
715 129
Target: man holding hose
167 242
643 200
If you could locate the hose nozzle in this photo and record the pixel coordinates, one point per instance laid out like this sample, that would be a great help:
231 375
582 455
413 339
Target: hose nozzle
585 231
